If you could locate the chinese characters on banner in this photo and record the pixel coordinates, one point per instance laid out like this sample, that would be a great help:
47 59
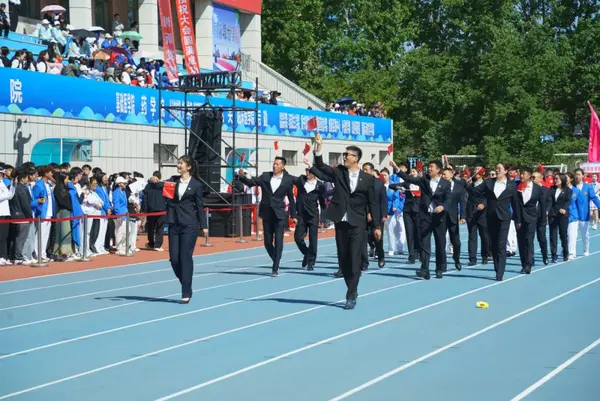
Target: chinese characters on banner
166 22
188 38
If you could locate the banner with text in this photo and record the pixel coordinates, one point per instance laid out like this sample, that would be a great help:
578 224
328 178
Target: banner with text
166 22
111 102
188 37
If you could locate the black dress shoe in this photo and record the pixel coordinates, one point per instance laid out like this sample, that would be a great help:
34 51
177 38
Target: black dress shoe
458 266
423 274
498 278
381 263
472 263
484 261
305 261
275 273
311 266
410 262
554 259
350 304
338 274
546 261
439 274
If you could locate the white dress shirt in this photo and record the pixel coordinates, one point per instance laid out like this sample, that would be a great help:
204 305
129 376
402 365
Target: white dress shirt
183 185
353 184
499 187
558 192
310 186
433 184
527 192
276 182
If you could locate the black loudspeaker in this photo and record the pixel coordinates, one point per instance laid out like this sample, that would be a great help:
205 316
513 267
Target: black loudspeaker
223 220
204 146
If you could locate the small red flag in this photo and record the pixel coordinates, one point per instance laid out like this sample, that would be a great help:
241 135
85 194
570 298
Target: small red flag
541 168
311 124
306 149
390 148
276 145
467 172
420 164
169 189
549 181
594 142
242 157
521 187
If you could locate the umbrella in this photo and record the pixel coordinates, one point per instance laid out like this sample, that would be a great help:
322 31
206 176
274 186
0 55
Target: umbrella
82 33
345 100
54 8
131 35
101 55
118 50
96 29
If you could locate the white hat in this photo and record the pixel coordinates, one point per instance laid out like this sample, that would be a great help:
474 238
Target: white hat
57 22
83 68
121 180
108 36
45 22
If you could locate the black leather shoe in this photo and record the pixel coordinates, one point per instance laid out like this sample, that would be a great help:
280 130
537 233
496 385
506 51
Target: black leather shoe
338 274
305 261
546 261
381 263
458 266
472 263
484 261
439 275
350 304
498 278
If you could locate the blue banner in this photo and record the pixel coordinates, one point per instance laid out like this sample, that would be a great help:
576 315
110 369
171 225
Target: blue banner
50 95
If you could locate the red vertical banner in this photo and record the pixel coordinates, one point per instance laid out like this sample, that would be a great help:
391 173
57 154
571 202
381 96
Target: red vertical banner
166 24
188 38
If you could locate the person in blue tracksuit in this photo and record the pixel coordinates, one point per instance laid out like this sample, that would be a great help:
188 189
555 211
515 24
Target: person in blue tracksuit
573 216
43 204
587 195
394 226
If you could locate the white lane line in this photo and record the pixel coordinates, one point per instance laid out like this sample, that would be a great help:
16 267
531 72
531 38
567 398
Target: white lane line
133 286
460 341
168 317
137 264
237 329
348 333
146 272
556 371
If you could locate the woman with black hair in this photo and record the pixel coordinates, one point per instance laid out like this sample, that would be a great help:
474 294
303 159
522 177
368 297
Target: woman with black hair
558 217
185 218
63 248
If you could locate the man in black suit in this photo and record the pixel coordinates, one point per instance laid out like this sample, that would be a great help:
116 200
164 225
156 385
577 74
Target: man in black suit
307 207
476 217
542 221
454 216
410 214
501 195
353 200
435 196
532 200
275 186
381 200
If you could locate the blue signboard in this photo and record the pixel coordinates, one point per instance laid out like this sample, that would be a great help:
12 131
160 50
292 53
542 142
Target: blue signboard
40 94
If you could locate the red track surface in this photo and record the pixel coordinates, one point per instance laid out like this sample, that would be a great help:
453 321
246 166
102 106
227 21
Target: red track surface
143 256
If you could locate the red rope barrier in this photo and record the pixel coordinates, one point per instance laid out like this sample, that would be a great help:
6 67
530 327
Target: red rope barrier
58 220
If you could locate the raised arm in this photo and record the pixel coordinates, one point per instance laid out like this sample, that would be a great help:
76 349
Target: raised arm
316 172
249 182
319 164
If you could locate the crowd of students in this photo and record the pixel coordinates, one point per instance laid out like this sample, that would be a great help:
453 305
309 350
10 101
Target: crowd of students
67 194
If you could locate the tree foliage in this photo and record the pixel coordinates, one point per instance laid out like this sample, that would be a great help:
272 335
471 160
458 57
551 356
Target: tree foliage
457 76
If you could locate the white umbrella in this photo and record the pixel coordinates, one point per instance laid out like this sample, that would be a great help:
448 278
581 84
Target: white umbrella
54 8
96 29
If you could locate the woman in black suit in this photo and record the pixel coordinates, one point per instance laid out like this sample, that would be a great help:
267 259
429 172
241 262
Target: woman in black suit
558 217
186 220
502 207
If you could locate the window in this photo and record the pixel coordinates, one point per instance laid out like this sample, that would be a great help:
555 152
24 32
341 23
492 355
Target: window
168 153
335 159
82 152
291 156
382 155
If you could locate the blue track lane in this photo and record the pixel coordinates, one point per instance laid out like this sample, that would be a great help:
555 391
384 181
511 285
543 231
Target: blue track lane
105 335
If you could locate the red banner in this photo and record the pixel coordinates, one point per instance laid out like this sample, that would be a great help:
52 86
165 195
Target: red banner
253 6
166 22
188 38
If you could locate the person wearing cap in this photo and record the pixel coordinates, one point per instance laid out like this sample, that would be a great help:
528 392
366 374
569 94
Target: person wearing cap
45 31
186 221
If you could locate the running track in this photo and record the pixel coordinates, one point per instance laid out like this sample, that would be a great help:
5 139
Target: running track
119 333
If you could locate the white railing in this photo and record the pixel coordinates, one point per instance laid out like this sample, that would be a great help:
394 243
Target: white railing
271 80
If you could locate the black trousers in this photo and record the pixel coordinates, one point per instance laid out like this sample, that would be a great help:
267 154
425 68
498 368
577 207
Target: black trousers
525 235
377 245
498 232
156 230
182 241
433 223
4 230
273 239
312 227
477 224
14 18
454 234
559 227
94 231
413 238
542 240
351 243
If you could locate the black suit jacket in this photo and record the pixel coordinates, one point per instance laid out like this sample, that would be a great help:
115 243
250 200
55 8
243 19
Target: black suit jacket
355 204
563 202
20 204
272 205
381 199
500 207
537 202
475 198
458 196
542 218
307 204
441 196
189 209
